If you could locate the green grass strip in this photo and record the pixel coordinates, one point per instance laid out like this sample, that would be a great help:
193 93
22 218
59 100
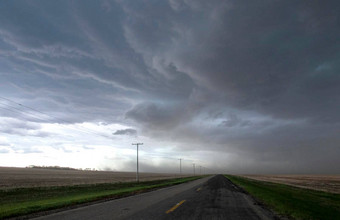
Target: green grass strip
23 201
292 201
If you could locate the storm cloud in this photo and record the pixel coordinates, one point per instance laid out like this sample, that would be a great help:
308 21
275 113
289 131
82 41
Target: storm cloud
254 84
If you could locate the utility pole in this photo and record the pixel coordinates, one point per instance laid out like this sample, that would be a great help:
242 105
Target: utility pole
193 165
200 170
180 165
137 174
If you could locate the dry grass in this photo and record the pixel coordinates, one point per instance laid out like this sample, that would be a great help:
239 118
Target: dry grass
33 177
327 183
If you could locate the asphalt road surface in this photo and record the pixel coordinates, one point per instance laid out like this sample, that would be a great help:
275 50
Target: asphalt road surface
208 198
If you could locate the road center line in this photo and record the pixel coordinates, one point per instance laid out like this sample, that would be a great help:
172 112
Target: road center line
175 207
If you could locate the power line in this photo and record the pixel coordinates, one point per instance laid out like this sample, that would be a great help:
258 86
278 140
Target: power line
158 155
11 108
82 129
24 106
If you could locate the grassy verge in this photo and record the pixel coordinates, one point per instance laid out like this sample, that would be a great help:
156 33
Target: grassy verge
23 201
292 201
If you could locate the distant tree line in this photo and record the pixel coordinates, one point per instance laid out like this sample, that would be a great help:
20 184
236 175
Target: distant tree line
59 168
51 167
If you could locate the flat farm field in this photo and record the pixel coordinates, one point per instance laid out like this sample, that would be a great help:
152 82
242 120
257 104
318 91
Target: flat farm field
326 183
11 177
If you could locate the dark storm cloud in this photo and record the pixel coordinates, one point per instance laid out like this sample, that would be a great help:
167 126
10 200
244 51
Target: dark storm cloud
280 58
257 80
128 131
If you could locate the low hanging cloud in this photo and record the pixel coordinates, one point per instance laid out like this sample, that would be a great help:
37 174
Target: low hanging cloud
234 120
157 116
128 131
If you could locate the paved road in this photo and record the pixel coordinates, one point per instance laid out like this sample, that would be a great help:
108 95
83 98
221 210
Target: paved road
209 198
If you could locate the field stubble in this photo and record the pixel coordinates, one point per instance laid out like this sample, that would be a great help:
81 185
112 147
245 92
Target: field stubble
326 183
11 177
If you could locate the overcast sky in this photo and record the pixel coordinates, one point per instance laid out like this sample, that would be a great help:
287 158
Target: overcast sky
234 86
